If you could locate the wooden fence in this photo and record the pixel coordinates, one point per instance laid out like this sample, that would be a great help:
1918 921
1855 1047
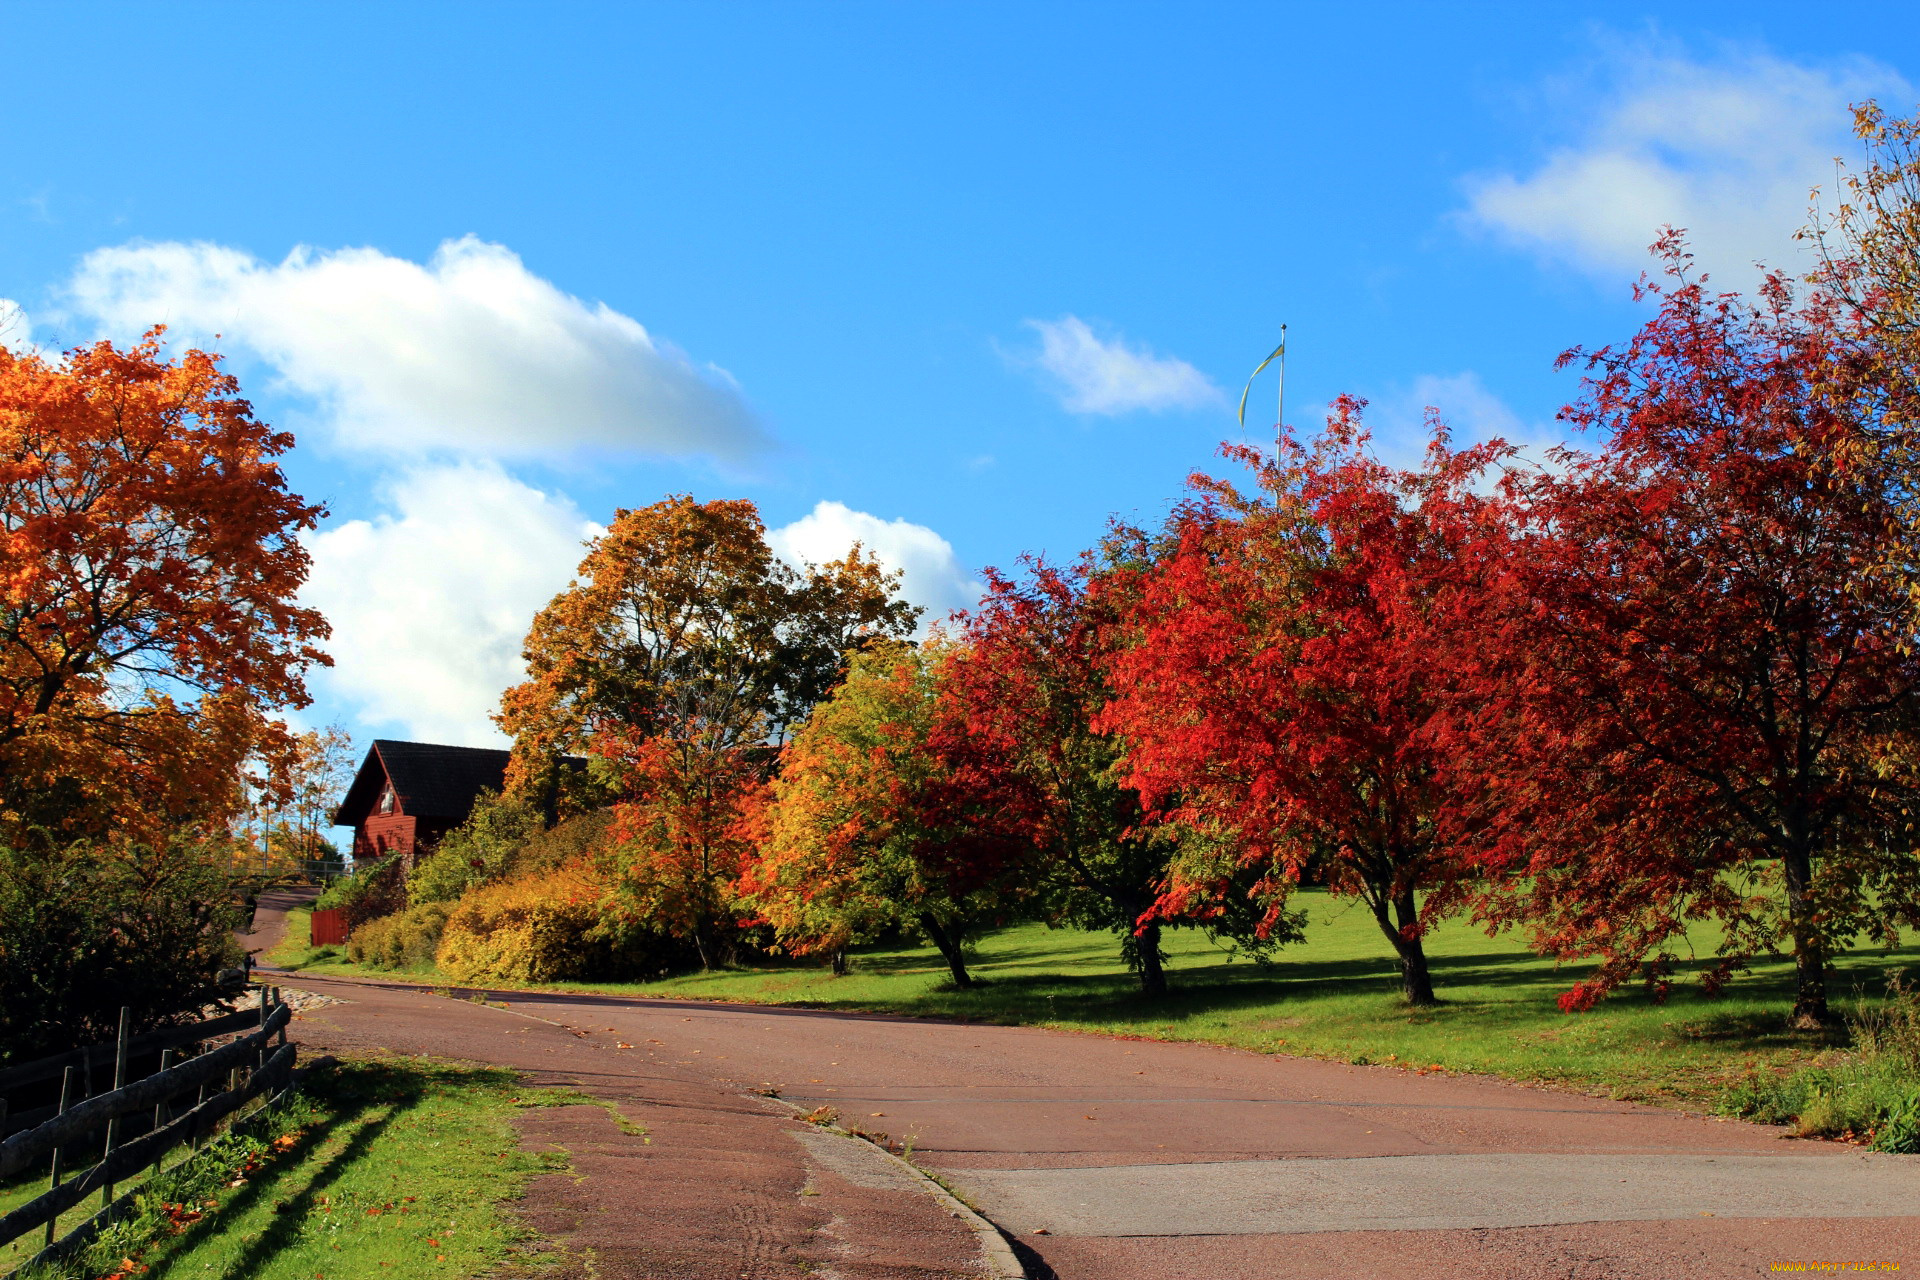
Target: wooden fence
329 927
149 1109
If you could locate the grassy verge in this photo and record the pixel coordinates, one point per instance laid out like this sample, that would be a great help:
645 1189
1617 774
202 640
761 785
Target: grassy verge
1331 996
1869 1094
391 1167
296 949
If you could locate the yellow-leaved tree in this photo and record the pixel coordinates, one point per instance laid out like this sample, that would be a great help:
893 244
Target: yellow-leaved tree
679 659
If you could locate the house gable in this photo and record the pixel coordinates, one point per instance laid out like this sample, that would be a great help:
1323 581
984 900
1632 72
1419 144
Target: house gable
433 788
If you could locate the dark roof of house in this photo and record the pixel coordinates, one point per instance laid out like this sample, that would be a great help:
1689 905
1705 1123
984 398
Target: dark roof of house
432 780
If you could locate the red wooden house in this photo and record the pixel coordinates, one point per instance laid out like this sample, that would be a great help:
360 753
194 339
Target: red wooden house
409 794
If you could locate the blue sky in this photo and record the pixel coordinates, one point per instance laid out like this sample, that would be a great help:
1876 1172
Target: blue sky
974 276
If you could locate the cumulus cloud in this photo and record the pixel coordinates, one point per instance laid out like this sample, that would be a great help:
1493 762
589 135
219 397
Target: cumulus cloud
430 603
1108 376
1466 405
1727 150
1472 411
930 573
469 354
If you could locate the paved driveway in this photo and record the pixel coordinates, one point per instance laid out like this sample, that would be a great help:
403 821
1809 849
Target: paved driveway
1114 1160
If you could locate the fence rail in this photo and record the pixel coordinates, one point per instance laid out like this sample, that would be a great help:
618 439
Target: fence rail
243 1069
101 1056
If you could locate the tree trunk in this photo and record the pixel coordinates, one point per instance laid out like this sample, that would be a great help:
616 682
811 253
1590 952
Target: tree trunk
550 799
839 962
949 947
1153 975
1810 1011
1416 984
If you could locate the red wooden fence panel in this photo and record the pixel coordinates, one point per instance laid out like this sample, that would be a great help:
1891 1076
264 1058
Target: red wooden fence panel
329 927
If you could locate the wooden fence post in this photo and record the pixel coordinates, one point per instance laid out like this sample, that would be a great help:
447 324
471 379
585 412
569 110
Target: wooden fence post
53 1180
199 1096
119 1083
266 1045
160 1113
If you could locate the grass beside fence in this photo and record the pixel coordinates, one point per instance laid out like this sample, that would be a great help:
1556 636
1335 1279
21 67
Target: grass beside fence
1333 995
395 1167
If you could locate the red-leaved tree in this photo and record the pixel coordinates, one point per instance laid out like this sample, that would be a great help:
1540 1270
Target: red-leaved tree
1285 681
1024 769
1027 775
1708 706
694 814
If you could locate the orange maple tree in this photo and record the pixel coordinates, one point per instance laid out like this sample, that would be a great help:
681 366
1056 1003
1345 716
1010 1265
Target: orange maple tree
150 557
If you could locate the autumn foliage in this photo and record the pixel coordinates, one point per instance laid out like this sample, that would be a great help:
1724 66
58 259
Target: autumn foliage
857 841
1597 697
151 558
684 834
1287 674
548 927
1707 701
679 660
150 563
681 615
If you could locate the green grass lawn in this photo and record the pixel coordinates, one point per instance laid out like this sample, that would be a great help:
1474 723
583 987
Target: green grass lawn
1335 995
397 1167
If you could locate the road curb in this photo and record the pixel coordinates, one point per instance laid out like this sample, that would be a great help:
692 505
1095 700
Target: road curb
995 1250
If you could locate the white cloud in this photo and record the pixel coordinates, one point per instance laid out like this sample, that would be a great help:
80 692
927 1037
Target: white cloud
469 354
430 604
930 573
1727 150
1111 376
16 330
1466 405
1472 412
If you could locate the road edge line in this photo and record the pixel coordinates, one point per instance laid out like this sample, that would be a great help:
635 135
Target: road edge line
995 1250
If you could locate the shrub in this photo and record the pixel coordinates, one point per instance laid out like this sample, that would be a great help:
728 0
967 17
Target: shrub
372 891
573 841
87 929
1871 1092
549 927
404 940
476 852
502 840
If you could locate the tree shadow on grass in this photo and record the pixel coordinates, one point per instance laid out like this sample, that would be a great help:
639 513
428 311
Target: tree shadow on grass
351 1111
1490 990
1750 1028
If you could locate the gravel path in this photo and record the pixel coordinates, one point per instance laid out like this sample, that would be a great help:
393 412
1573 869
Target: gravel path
269 923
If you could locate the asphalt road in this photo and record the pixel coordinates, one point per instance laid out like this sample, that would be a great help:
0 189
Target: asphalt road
1123 1160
